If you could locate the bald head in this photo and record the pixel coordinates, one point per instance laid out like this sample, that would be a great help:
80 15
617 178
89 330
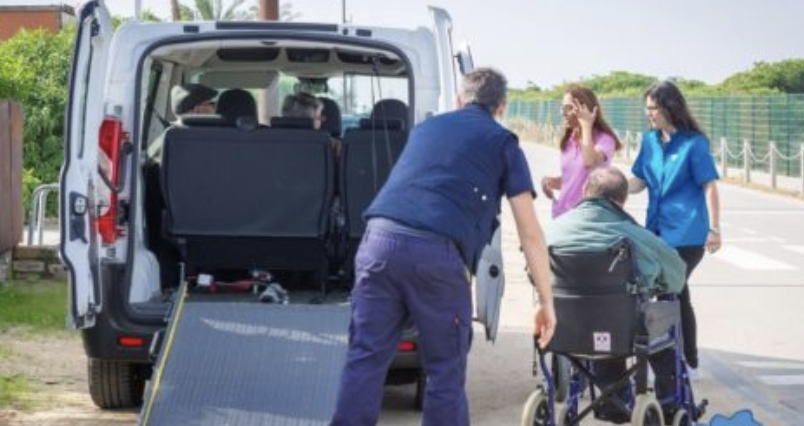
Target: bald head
607 182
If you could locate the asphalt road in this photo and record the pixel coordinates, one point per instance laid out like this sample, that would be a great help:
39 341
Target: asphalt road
748 298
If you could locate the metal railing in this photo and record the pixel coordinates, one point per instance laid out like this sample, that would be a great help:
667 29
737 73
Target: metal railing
36 218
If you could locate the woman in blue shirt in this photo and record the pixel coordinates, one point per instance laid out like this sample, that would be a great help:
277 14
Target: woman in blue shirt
676 166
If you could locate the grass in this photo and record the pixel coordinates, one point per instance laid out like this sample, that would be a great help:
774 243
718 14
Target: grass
5 352
13 388
37 306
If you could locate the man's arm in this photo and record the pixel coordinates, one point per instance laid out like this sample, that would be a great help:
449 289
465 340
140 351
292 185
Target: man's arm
662 267
532 239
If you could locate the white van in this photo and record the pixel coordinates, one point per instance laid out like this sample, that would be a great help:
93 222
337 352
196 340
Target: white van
256 199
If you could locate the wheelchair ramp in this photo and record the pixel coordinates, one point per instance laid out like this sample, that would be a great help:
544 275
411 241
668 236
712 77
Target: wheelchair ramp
239 364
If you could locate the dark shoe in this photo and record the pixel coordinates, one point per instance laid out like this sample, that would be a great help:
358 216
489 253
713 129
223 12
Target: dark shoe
692 363
610 413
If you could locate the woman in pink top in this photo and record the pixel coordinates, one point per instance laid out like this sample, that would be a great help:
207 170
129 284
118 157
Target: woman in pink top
588 142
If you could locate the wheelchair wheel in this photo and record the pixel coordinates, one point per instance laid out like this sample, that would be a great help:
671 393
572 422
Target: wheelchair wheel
536 410
561 368
681 418
647 412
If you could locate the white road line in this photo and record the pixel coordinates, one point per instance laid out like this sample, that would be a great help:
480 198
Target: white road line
748 260
785 380
750 240
773 365
750 231
797 249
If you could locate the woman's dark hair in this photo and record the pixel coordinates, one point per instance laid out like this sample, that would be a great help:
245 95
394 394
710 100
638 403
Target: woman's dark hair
587 97
669 98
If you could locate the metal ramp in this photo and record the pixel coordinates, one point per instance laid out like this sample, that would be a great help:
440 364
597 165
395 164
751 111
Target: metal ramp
248 364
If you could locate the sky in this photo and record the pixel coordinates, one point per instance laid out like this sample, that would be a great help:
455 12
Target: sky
548 42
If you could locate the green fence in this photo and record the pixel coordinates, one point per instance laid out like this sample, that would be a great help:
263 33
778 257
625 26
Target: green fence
759 120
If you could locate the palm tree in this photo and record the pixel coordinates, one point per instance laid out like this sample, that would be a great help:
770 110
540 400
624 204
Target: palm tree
214 10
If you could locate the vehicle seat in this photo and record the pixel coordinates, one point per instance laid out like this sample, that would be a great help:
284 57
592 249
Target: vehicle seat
256 199
368 154
390 109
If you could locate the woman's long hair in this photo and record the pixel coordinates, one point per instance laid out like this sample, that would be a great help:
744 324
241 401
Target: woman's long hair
587 97
669 98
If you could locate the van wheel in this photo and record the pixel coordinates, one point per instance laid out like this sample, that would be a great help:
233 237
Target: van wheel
115 384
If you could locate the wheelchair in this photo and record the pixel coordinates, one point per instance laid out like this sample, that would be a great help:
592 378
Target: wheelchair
603 321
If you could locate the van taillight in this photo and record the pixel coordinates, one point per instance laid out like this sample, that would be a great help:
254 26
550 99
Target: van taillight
406 346
110 141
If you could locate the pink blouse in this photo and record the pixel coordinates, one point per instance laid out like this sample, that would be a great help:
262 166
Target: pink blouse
574 173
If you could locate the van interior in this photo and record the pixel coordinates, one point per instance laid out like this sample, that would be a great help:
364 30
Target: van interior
245 194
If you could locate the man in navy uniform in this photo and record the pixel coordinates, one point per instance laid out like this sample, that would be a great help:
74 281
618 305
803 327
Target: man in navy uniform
426 230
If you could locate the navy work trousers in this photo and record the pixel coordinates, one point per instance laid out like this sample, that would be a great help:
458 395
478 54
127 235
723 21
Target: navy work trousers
398 278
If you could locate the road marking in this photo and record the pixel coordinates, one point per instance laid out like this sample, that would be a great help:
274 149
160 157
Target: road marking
750 231
786 380
751 240
797 249
773 365
751 261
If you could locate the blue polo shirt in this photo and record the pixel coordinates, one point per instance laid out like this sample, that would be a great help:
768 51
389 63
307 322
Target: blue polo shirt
675 174
451 177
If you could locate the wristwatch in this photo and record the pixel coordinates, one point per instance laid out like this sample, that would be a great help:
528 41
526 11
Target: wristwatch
715 231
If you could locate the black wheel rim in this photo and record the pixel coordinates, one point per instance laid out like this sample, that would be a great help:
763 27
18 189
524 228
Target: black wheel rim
542 412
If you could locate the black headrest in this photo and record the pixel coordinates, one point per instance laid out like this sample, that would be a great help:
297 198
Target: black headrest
331 120
292 123
386 109
200 120
236 103
390 124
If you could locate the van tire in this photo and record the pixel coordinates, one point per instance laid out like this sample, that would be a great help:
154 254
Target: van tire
115 384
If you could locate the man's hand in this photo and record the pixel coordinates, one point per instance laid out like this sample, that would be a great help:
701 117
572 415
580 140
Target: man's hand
545 323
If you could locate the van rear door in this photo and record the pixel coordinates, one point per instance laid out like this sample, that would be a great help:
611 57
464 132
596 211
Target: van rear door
79 175
452 62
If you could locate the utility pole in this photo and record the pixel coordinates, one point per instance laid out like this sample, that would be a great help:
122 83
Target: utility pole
269 10
343 11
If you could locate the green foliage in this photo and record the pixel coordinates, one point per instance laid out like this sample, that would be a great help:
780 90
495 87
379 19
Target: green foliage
34 71
40 306
214 10
764 79
785 76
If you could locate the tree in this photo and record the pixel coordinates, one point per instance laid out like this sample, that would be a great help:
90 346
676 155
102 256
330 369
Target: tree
34 72
784 76
214 10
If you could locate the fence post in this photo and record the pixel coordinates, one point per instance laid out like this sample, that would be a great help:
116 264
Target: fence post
746 161
801 166
724 158
772 161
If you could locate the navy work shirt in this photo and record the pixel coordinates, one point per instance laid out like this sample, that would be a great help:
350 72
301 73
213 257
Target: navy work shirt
675 174
451 176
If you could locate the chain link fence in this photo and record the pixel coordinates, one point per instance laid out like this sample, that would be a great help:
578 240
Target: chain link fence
771 126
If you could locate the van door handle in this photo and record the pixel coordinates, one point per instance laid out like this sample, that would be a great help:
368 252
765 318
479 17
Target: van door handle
78 212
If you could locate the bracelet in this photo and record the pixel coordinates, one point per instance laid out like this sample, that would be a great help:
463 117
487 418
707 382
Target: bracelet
714 231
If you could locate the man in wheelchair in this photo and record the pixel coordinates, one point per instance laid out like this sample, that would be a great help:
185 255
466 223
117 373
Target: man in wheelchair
607 271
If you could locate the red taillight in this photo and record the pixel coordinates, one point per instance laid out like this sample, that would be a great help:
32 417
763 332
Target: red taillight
110 140
406 346
130 341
